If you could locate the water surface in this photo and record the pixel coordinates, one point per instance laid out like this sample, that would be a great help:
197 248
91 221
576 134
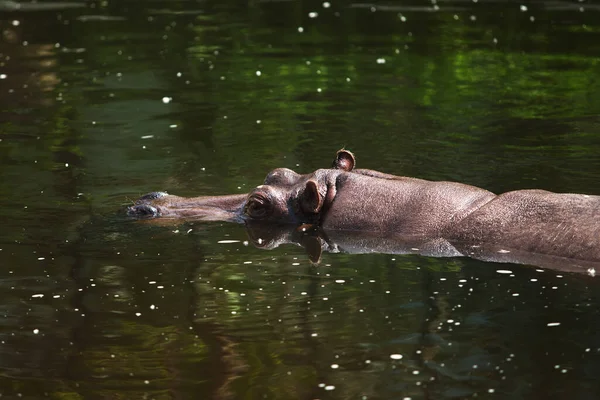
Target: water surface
101 102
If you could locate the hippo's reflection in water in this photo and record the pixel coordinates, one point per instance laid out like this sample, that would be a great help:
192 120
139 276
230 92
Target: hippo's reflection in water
316 241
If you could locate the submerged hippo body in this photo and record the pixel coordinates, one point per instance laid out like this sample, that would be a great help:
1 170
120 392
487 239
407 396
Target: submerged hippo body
441 218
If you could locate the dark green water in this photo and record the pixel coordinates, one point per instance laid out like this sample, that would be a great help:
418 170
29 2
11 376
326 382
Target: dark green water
101 102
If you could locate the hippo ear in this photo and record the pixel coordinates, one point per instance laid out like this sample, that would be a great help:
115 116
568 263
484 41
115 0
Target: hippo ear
344 160
311 200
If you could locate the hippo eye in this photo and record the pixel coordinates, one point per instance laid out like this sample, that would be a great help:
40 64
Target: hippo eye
258 207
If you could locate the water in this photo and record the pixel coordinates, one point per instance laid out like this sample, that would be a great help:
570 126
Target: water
101 102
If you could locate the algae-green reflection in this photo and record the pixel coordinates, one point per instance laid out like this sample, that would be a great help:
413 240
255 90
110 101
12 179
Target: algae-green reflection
203 98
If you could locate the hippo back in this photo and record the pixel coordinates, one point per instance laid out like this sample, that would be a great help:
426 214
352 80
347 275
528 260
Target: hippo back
535 221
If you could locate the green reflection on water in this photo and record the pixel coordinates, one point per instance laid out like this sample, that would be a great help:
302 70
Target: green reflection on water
497 100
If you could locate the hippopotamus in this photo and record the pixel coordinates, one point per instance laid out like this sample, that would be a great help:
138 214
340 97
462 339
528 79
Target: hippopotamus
434 218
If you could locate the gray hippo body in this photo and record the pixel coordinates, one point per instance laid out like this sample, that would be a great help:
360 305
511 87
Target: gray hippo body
439 218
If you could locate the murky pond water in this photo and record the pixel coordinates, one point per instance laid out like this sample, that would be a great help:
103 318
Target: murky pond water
101 102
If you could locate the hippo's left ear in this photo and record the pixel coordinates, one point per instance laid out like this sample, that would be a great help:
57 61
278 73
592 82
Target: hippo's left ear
344 160
311 200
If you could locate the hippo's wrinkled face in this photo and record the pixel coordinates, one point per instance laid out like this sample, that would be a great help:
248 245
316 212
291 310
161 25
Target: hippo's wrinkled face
271 200
284 197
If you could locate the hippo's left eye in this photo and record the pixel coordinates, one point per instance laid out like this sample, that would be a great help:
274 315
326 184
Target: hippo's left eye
258 207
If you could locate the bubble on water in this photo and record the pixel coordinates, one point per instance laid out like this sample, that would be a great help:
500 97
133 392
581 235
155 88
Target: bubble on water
504 271
36 331
326 4
300 29
553 324
523 8
167 100
329 387
396 356
313 14
381 61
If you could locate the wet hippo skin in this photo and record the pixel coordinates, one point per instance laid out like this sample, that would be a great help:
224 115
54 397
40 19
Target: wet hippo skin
441 218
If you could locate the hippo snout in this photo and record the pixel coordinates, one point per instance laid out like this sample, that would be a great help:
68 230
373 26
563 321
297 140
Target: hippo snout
143 208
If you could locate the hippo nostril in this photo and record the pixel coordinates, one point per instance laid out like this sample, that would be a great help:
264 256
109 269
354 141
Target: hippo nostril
150 196
142 210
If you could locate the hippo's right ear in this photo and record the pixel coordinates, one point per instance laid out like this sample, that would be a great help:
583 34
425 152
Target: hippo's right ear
344 160
311 200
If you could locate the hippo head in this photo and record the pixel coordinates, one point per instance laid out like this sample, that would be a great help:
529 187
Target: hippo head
284 197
